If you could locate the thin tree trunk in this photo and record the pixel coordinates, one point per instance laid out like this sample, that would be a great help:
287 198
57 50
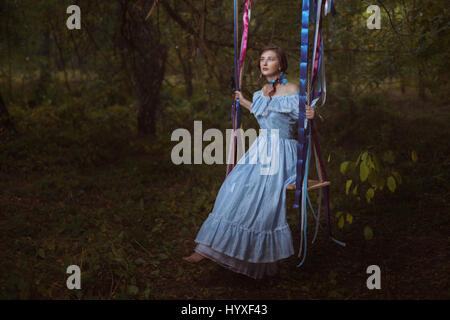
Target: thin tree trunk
403 84
44 74
421 83
214 68
61 56
187 71
5 118
8 44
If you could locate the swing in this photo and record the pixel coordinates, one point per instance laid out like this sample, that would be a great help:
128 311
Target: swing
314 184
310 71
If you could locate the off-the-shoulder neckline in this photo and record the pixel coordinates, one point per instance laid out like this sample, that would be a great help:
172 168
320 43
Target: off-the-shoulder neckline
284 95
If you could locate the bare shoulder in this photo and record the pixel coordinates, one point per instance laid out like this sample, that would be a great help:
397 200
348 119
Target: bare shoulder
292 88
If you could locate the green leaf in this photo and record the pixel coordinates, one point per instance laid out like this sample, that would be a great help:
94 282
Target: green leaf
363 171
329 157
341 222
391 183
347 186
357 160
344 166
338 214
349 218
368 233
369 194
376 164
370 163
355 190
364 156
397 176
414 156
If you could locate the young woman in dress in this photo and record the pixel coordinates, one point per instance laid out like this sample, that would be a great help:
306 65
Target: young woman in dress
247 231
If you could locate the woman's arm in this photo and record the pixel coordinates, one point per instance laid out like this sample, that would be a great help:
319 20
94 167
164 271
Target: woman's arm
310 111
242 101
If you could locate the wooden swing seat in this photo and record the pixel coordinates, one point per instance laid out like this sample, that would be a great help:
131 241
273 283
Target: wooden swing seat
312 184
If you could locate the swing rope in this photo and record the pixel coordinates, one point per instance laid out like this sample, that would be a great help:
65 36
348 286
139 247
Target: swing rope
310 92
238 66
306 132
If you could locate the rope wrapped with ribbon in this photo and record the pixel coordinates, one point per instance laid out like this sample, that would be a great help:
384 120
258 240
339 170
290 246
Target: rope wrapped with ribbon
306 131
238 67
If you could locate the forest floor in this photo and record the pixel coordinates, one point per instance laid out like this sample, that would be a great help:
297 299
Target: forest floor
127 221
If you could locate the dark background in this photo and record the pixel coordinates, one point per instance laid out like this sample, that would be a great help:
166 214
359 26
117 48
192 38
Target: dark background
86 176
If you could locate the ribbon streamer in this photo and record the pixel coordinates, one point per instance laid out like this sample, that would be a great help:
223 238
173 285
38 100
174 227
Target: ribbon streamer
302 145
306 131
238 64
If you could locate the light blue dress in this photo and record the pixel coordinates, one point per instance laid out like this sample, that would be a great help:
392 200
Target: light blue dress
247 231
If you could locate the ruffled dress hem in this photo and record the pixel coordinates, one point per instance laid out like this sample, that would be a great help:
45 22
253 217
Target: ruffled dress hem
266 247
253 270
244 244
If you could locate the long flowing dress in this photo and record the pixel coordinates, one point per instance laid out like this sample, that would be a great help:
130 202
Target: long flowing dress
247 231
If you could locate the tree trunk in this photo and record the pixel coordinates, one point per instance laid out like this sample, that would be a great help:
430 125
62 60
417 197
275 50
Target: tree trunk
421 83
6 123
149 74
44 70
44 75
147 59
186 65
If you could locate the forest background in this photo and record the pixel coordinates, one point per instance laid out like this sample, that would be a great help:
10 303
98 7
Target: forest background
86 176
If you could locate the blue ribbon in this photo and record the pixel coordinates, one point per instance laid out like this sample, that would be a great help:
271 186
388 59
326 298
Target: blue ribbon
302 100
236 71
303 134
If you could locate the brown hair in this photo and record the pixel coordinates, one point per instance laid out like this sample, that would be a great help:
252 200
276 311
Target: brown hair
283 64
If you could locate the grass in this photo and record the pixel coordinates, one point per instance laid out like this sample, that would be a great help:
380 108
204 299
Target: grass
128 216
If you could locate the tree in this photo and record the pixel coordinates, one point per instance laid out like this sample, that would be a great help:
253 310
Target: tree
6 123
146 57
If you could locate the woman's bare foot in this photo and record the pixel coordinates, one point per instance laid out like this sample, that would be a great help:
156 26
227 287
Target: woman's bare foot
194 258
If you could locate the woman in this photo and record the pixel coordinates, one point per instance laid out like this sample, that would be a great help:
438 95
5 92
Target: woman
247 231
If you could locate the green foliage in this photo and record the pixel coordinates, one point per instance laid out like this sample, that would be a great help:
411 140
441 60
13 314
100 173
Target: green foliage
343 217
87 131
368 233
347 186
373 174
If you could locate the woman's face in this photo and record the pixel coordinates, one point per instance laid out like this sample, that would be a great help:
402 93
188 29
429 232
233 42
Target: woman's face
269 63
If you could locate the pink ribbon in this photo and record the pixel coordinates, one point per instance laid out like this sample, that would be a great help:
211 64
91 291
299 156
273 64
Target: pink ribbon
245 22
